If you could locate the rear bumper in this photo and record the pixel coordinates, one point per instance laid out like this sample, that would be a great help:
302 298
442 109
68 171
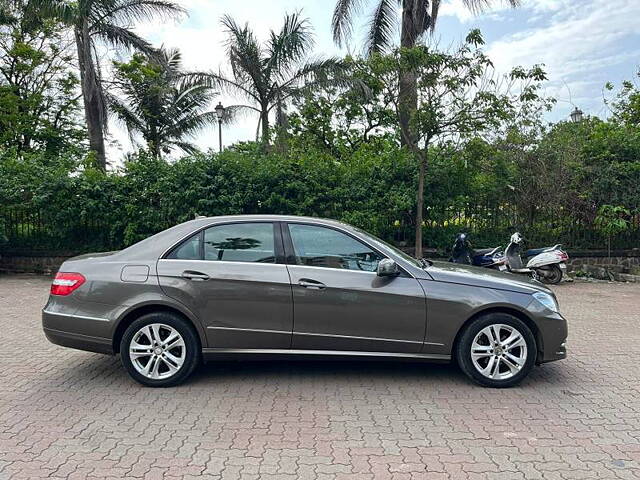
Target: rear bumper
80 342
75 332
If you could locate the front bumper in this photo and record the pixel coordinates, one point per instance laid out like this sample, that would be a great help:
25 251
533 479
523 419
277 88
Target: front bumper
553 333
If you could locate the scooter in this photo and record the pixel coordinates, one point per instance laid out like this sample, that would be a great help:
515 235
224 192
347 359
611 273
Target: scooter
463 253
546 264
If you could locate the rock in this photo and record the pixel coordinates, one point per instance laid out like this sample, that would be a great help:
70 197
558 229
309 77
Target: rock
596 271
625 277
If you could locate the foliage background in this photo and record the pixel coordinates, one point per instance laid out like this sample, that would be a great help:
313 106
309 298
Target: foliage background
484 188
334 151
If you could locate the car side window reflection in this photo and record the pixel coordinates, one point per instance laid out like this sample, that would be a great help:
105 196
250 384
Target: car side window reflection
324 247
240 242
187 250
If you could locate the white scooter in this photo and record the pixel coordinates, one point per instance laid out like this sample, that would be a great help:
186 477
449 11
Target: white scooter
546 264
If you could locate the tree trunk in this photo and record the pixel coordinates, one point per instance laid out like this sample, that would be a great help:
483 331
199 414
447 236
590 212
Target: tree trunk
412 27
94 108
420 201
264 123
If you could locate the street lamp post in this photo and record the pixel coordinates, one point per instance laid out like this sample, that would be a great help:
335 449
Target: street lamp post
577 115
220 113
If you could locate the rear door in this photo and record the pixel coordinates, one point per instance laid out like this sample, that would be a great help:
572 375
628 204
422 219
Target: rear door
340 303
234 278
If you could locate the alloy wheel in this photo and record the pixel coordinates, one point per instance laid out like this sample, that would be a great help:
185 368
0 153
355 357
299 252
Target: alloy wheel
499 351
157 351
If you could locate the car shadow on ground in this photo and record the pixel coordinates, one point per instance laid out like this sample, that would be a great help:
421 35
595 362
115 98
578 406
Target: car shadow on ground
322 369
415 373
91 371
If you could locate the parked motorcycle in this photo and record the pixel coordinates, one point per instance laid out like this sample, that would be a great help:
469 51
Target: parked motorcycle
546 264
463 253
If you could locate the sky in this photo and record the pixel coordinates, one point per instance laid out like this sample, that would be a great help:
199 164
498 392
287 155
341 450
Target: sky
582 43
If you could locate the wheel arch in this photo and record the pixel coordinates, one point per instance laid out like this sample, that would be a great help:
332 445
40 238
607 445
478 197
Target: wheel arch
510 311
134 313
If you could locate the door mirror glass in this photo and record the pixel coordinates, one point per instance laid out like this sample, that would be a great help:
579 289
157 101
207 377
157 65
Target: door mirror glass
387 268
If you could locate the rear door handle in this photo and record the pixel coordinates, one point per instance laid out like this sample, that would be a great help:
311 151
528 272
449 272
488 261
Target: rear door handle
196 276
309 283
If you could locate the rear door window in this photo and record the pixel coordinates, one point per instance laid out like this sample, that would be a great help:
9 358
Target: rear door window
240 242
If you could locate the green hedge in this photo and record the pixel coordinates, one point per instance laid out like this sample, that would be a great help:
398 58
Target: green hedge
63 210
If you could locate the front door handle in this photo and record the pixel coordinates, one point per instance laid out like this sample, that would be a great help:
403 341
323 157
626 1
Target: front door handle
196 276
313 284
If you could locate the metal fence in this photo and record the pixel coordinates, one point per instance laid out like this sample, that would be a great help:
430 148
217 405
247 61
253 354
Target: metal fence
24 231
29 232
492 225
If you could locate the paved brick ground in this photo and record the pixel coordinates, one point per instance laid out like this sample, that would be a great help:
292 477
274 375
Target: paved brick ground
69 414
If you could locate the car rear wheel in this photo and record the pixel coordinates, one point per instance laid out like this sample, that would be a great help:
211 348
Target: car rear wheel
497 350
160 349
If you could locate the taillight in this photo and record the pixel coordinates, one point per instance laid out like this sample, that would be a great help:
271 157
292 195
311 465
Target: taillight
66 283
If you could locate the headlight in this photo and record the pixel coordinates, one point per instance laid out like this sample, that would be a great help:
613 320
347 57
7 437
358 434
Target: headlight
546 300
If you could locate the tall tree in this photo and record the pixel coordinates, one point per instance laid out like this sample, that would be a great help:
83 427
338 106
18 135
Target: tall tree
161 103
418 17
38 100
268 75
109 22
459 98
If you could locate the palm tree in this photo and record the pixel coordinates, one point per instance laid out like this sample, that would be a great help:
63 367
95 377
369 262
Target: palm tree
418 17
161 103
107 21
267 76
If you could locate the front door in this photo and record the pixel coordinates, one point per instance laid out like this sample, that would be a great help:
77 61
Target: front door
233 277
340 303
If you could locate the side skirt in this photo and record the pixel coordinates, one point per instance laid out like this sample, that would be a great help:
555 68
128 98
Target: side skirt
211 354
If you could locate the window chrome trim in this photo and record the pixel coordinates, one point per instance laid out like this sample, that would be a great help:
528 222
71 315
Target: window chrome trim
333 268
222 262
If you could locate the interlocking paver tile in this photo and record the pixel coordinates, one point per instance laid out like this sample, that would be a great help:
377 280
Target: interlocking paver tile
67 414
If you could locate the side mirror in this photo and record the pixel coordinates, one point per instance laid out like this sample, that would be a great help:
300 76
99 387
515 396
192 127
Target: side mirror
387 268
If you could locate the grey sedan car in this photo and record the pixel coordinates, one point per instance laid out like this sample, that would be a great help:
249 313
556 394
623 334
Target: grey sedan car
267 286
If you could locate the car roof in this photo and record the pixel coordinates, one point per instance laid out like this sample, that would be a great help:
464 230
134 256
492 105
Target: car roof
270 217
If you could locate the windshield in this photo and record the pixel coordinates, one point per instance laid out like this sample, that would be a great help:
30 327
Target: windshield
384 245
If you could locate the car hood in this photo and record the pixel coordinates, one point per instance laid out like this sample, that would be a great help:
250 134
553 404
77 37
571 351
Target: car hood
484 277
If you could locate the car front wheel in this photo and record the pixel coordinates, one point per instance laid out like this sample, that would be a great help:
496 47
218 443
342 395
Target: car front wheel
160 349
497 350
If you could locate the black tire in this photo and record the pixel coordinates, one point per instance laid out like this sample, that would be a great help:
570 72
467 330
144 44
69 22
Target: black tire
192 350
463 349
554 275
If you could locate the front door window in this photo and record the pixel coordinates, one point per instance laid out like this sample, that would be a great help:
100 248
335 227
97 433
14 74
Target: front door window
325 247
